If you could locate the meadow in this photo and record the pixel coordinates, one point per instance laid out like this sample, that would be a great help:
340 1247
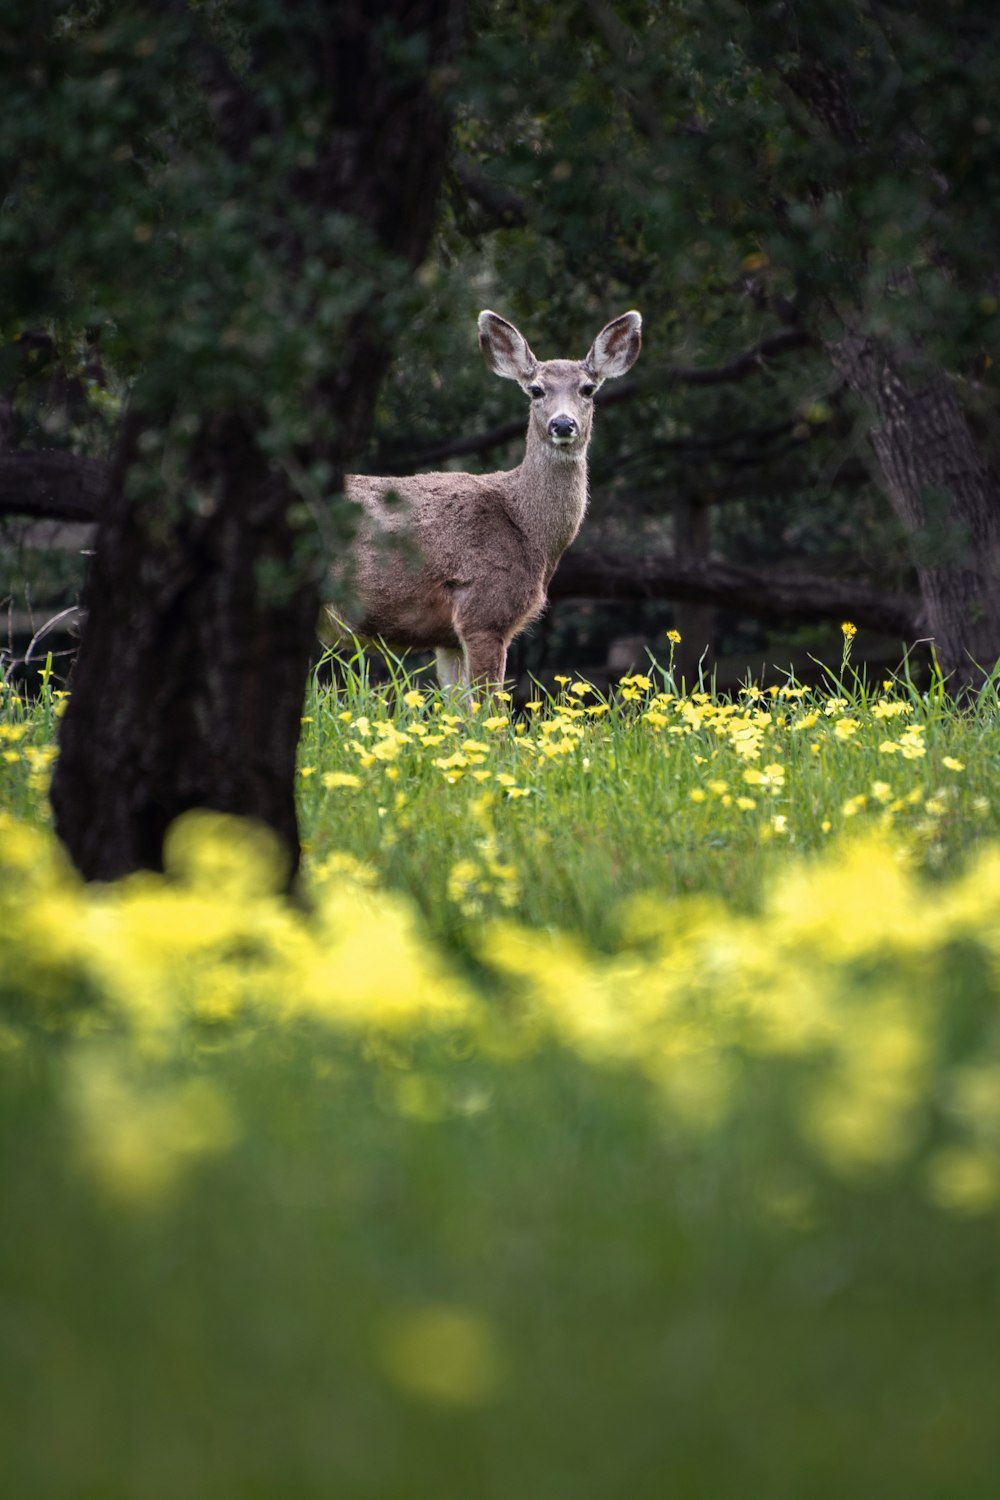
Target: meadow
615 1112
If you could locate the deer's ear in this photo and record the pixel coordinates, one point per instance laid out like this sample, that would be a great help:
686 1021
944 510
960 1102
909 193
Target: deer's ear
616 347
506 351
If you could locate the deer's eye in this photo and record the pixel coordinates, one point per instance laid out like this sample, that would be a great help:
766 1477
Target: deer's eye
587 390
536 392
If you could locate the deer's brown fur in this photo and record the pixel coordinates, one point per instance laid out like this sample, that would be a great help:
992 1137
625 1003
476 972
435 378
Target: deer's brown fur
460 563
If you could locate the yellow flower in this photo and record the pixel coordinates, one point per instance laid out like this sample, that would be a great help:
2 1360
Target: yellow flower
848 630
333 779
443 1355
674 637
772 777
456 762
414 698
890 710
963 1179
953 764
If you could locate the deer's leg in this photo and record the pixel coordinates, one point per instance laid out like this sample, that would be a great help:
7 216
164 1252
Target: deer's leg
485 658
331 629
450 666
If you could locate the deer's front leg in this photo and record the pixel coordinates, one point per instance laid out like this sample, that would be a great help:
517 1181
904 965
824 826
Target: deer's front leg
450 666
485 658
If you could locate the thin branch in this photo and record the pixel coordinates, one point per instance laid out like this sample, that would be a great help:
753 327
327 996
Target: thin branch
505 209
750 362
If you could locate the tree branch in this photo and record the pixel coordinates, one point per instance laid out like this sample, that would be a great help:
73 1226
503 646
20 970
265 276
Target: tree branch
741 368
504 208
65 487
802 596
53 484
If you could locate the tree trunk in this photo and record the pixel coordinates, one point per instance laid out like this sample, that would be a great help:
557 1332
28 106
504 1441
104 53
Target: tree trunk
188 688
944 496
201 604
694 619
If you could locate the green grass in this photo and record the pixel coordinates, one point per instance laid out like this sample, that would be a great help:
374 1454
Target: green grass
615 1137
615 815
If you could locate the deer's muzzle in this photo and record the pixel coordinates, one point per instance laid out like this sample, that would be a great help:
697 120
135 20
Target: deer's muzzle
563 429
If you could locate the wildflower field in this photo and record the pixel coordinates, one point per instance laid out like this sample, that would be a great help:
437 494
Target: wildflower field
616 1113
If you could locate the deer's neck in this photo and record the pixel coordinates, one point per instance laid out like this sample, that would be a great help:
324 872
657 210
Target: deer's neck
549 497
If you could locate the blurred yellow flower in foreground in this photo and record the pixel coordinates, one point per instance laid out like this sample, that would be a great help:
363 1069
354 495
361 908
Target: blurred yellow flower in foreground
443 1354
846 969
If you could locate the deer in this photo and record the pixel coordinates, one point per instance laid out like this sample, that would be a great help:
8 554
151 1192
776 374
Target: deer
461 563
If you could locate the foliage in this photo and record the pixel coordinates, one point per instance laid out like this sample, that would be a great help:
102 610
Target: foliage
195 263
585 1128
689 159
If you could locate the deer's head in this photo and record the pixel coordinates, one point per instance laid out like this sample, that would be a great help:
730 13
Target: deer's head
561 390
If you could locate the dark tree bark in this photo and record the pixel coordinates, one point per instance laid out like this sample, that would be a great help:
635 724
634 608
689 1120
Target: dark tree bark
189 683
945 496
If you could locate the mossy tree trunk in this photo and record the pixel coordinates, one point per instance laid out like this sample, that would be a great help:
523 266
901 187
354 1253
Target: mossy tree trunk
203 594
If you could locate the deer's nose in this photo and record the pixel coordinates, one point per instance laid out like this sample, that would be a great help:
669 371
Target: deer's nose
562 427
